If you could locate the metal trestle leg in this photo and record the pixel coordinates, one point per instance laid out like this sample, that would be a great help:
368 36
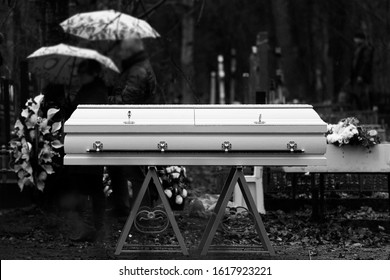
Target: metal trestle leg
151 175
236 175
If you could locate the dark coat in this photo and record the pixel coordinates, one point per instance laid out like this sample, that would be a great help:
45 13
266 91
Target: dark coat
137 81
92 93
95 92
362 64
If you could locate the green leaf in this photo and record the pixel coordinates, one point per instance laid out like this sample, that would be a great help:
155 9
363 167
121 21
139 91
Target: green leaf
41 185
21 184
25 182
48 168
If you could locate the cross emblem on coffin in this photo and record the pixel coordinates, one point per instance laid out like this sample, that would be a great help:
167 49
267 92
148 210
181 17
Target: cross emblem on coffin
229 135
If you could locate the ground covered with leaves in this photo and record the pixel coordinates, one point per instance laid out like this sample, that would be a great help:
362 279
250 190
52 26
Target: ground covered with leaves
30 233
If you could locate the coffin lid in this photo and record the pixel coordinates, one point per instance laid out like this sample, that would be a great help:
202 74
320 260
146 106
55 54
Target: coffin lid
195 119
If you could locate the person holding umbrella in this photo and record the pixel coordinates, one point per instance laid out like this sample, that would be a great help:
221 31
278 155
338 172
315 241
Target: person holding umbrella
136 85
93 89
62 65
88 179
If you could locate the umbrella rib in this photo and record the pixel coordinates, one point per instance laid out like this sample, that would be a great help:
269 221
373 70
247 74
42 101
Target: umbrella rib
71 72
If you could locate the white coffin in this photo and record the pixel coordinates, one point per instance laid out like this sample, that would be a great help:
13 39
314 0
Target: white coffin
195 135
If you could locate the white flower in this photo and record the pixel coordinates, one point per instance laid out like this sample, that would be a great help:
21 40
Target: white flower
176 169
56 144
43 127
183 169
31 121
347 132
175 175
184 193
19 128
37 103
179 199
51 112
55 127
168 193
372 133
169 169
338 127
26 148
25 113
333 138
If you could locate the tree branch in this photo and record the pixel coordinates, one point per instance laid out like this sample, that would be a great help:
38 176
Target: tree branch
152 9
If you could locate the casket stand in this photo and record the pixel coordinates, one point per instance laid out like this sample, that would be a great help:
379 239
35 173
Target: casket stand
229 135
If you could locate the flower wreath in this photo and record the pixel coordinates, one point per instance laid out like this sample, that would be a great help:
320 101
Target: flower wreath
36 150
348 132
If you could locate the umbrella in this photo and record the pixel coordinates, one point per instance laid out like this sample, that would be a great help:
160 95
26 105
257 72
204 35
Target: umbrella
107 25
59 63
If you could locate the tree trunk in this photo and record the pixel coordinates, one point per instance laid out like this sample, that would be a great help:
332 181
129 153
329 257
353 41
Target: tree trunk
187 53
290 61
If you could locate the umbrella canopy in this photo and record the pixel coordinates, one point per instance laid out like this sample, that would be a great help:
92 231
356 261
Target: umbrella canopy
59 63
107 25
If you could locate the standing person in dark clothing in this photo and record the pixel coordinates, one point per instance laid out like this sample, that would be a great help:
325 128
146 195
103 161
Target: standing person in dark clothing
361 72
93 89
89 179
137 81
136 85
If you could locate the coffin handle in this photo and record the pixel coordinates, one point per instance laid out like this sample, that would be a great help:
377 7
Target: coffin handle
226 146
292 146
162 146
96 147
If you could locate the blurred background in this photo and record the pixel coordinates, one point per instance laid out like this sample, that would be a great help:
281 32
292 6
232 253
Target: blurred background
333 54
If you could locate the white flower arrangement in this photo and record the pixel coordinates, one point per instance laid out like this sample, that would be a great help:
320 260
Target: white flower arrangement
348 131
36 146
